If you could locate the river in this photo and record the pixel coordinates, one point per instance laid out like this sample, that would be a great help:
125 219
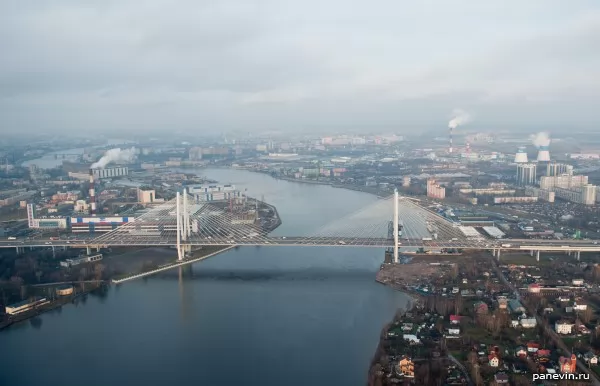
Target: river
265 316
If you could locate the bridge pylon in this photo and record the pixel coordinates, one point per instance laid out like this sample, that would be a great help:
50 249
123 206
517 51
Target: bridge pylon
396 257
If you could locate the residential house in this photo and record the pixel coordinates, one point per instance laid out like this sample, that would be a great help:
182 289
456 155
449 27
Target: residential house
590 358
411 338
453 331
493 360
563 299
568 365
454 319
580 306
515 323
528 322
577 282
406 367
569 310
532 347
548 310
502 303
543 355
480 308
534 288
515 306
521 352
501 378
583 329
563 327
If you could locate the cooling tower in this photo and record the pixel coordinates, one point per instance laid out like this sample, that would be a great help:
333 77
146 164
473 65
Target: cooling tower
543 154
521 156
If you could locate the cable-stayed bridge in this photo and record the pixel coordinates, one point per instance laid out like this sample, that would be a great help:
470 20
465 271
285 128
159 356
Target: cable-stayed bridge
185 223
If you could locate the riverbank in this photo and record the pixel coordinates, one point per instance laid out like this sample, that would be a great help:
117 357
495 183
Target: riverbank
52 305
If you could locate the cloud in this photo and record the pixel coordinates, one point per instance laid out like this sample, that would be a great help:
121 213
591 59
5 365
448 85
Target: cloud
230 64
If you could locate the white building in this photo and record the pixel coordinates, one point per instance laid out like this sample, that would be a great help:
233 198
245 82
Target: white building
564 328
67 263
208 193
526 174
146 196
564 181
578 282
111 172
585 194
542 194
528 322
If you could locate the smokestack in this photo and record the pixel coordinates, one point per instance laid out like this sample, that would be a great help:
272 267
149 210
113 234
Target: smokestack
521 156
543 154
92 194
460 117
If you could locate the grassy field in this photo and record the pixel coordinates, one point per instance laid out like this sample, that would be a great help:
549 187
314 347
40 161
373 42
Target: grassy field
523 259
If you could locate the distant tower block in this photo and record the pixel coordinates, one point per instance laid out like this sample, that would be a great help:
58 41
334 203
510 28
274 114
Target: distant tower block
521 156
406 181
543 154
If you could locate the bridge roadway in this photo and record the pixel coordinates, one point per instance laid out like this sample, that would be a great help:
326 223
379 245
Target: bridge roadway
481 244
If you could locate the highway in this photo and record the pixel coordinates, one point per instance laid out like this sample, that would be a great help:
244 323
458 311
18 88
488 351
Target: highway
464 243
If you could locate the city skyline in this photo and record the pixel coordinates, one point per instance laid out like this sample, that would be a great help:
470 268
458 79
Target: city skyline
208 67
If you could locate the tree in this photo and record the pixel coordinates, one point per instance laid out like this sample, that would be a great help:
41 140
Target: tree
586 315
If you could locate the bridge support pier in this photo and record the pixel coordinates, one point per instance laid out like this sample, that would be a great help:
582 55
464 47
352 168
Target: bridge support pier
578 255
531 253
53 251
18 249
88 250
498 254
537 255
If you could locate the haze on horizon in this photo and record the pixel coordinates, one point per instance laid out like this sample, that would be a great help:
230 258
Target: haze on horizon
206 66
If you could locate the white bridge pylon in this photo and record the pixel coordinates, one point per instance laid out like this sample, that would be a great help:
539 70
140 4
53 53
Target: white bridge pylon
185 222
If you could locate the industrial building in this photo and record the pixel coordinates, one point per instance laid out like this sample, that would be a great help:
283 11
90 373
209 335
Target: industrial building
585 195
434 190
111 172
557 169
210 193
526 174
15 196
25 305
542 194
97 224
494 232
563 181
487 191
45 222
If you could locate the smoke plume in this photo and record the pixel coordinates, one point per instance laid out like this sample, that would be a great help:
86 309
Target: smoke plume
540 139
460 117
114 155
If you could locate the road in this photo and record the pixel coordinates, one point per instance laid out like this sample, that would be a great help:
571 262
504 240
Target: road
125 239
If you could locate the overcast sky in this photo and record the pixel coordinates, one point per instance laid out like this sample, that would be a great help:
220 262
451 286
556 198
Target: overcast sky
298 64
